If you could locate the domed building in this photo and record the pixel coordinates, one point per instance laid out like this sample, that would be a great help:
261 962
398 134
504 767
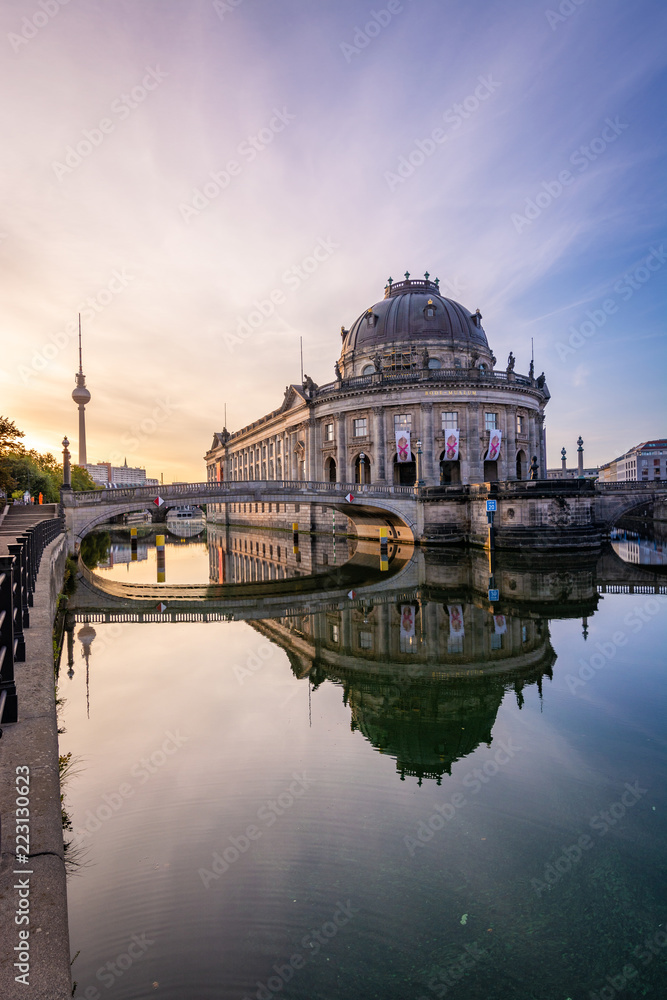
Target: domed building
415 380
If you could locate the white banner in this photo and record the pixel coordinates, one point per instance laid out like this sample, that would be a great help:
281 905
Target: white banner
451 445
403 445
494 445
407 621
456 628
499 624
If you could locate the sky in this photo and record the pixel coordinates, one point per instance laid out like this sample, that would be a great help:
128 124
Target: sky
173 167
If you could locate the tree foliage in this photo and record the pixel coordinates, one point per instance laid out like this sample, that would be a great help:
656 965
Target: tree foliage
22 469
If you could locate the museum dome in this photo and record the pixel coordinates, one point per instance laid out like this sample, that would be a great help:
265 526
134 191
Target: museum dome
414 311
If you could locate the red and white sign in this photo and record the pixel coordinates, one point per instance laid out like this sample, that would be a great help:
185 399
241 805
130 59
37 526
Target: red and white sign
451 445
495 437
160 607
349 497
407 621
456 627
403 453
158 501
499 624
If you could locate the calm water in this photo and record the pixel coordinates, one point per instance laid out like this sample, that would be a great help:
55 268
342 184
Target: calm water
403 797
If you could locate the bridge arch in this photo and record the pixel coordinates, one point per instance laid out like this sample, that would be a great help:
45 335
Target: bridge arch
370 508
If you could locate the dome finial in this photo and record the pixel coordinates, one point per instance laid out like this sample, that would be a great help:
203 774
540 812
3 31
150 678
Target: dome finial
437 282
390 281
426 275
407 275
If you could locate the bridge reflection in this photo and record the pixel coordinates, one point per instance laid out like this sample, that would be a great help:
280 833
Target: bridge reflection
423 659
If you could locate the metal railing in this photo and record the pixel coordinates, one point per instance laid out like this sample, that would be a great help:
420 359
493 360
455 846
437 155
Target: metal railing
18 578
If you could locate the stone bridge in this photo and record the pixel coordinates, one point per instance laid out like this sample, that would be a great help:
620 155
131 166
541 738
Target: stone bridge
393 506
547 513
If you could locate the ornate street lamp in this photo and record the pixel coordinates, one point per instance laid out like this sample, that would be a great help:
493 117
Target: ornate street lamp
419 480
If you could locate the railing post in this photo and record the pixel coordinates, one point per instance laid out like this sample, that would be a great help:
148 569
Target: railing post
7 682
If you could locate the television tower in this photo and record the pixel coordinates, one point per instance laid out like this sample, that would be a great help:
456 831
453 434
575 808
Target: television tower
81 396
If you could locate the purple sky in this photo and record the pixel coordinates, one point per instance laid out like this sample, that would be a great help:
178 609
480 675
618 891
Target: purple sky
512 150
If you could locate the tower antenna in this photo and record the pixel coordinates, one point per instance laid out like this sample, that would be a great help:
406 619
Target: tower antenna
80 357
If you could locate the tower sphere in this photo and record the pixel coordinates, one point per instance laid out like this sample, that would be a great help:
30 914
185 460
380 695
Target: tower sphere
81 395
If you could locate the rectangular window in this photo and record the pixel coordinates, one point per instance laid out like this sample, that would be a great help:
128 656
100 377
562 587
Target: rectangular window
360 427
403 420
520 423
490 421
496 642
328 432
365 640
450 420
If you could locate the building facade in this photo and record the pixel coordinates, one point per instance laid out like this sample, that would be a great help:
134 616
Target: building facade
644 463
415 380
106 474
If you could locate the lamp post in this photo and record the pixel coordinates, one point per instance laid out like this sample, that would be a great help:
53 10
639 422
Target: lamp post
580 457
67 473
563 462
419 481
362 461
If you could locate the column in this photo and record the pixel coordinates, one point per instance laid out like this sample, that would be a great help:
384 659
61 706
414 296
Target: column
341 448
543 446
380 446
428 444
510 448
475 460
311 458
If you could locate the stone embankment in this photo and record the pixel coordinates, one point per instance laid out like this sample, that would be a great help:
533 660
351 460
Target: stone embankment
35 954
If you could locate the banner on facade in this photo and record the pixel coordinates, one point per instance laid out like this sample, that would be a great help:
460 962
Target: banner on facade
403 445
407 621
451 445
494 445
456 629
499 624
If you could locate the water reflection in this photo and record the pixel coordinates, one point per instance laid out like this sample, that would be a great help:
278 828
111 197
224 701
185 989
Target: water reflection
204 711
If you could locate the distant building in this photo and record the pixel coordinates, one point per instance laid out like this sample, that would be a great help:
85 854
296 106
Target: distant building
645 463
106 474
572 473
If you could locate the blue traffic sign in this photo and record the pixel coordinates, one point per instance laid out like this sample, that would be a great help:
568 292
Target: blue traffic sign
491 505
494 595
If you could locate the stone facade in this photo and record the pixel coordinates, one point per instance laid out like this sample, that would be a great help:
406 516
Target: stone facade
415 361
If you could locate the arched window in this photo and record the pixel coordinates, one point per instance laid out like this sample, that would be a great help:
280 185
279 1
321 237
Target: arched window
434 363
368 370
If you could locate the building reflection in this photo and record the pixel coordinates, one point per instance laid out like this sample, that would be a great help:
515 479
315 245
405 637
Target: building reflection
423 668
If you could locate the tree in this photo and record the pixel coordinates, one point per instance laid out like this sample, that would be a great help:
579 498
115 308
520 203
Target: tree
22 470
9 432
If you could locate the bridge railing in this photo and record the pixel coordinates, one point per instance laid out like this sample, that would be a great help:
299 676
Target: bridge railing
231 488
